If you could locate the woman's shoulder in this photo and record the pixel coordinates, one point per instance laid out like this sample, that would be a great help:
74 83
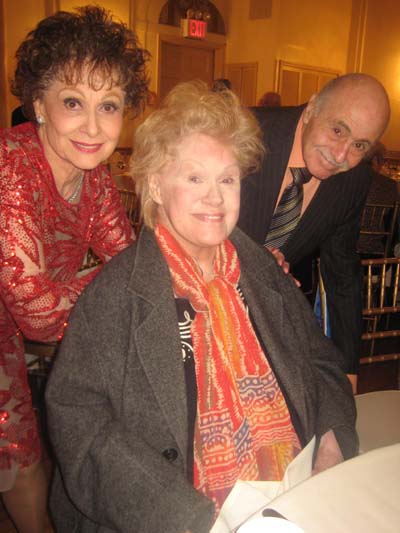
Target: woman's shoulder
107 295
251 253
135 269
115 274
256 262
17 146
17 137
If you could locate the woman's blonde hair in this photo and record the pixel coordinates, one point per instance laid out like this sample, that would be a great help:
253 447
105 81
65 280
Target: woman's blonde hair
189 108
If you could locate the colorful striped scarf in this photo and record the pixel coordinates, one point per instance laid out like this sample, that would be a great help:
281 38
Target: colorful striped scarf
243 428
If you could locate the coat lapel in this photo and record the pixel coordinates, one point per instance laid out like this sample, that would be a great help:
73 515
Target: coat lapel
260 190
157 337
259 293
279 129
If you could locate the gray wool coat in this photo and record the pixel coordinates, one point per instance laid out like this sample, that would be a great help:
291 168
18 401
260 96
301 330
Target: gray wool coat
116 396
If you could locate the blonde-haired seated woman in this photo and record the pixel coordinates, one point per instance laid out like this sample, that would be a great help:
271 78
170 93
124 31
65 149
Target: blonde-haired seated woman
192 360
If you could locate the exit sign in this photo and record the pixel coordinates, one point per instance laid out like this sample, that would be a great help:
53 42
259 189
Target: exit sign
193 28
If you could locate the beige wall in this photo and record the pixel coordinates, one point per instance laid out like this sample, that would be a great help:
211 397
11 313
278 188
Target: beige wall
252 41
19 17
287 35
381 58
120 8
314 33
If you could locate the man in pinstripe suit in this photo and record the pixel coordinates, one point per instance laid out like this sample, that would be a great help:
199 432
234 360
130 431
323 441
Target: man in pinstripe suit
331 136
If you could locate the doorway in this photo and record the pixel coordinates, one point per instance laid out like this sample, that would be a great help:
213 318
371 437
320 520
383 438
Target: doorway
184 62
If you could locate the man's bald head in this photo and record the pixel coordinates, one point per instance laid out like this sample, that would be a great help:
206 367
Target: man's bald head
342 123
362 89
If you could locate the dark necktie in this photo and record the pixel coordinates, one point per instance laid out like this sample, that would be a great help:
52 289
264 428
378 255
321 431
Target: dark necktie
287 213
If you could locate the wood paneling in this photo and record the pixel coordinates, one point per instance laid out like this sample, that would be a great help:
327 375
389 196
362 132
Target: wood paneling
260 9
296 83
243 77
289 87
183 63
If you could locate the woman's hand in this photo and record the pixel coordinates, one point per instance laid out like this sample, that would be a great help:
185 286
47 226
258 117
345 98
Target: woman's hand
280 259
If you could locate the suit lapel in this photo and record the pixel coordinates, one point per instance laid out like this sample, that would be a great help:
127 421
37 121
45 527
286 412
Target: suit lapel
260 190
318 220
279 131
309 228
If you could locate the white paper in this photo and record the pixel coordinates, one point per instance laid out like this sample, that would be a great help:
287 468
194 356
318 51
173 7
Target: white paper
270 524
248 498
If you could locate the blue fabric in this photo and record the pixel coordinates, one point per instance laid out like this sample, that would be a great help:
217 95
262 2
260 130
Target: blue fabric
320 307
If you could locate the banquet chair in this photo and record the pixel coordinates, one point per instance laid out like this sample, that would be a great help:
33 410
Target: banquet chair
131 203
39 354
381 308
377 230
377 234
39 358
378 419
118 162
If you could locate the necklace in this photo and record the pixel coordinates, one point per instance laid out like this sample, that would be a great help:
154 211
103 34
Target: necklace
77 190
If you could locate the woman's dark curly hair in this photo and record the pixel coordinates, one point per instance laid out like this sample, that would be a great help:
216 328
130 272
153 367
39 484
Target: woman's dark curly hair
63 45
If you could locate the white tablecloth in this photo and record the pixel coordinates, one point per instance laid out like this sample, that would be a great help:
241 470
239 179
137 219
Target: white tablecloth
361 495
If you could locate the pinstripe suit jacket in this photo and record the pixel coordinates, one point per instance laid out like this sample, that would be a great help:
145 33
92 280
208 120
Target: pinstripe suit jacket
330 224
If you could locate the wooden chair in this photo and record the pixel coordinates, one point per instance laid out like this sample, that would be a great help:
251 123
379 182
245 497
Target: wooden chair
131 203
378 228
381 309
39 357
118 162
41 354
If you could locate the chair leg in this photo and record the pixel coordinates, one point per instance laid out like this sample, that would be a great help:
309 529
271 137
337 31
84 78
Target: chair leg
398 374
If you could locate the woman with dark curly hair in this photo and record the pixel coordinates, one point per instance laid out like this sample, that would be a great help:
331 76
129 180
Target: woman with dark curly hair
75 74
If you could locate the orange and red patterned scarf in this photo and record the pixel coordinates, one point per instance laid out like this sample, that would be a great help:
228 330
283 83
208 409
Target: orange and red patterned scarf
243 428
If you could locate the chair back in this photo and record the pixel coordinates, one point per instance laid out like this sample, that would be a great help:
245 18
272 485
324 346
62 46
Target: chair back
131 203
39 356
381 307
377 230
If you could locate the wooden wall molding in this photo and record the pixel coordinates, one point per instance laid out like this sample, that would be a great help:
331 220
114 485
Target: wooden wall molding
51 7
355 55
296 82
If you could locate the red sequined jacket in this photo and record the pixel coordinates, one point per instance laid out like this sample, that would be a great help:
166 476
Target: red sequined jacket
44 239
